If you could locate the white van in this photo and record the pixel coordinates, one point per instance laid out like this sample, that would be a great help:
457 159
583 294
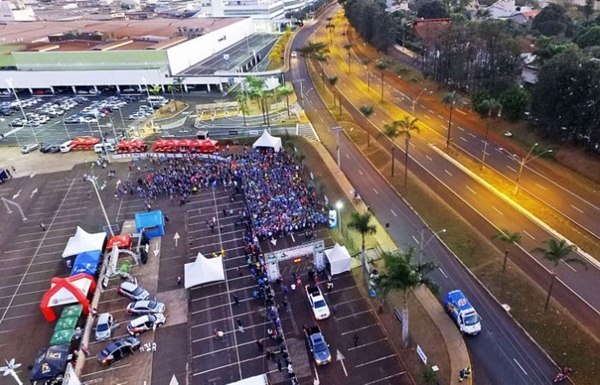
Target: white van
66 146
104 147
156 99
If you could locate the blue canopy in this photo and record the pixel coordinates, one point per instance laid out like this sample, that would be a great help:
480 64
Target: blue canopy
153 223
87 263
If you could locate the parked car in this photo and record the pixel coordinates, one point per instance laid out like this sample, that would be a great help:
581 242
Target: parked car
49 148
104 326
317 302
29 148
145 307
133 291
319 348
118 350
145 323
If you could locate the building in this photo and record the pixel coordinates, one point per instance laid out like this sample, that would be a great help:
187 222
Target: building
505 9
209 53
15 11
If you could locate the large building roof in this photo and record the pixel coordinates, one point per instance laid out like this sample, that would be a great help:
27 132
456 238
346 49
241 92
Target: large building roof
154 34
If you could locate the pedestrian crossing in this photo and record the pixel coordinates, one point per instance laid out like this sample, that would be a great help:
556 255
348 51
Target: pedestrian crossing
308 131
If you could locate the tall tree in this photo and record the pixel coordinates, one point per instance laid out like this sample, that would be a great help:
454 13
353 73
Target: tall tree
172 88
451 99
553 20
489 107
556 252
361 222
332 80
256 87
509 239
405 127
286 91
242 100
366 62
432 10
381 66
367 111
178 81
404 275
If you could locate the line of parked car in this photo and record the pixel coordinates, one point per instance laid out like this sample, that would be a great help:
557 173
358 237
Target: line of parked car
45 112
98 109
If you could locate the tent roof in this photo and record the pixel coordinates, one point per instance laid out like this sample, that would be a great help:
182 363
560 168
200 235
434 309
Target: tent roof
66 323
62 337
203 270
72 311
50 362
149 219
339 259
267 140
83 241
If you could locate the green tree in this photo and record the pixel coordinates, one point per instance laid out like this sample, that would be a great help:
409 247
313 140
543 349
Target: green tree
348 47
242 100
312 50
332 80
451 99
509 239
556 252
589 37
553 20
256 87
286 91
366 62
514 103
178 82
381 67
433 10
405 127
588 9
404 275
490 107
361 223
155 89
367 111
172 88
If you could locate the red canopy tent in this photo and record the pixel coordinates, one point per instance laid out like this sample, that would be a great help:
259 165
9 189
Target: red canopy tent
121 241
64 291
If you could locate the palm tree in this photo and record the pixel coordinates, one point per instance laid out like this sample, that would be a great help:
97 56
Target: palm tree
155 89
313 50
367 111
488 107
332 82
286 91
178 81
242 100
172 89
381 66
348 46
366 62
360 222
556 252
330 27
451 99
257 90
509 239
404 275
404 128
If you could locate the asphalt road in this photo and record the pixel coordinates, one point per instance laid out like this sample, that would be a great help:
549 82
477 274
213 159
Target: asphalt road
502 353
578 285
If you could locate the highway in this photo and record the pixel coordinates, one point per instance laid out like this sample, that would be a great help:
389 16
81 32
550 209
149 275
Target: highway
578 286
502 353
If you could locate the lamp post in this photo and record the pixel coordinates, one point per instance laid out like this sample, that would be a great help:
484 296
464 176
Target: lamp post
423 244
416 99
12 88
339 206
94 183
337 131
523 162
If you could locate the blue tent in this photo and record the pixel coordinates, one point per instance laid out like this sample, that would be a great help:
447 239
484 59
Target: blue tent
152 222
87 263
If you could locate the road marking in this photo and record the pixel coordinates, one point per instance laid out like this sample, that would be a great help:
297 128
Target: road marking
351 315
412 144
470 189
569 266
431 111
529 235
519 365
385 378
415 238
463 139
429 158
374 361
542 187
498 211
367 344
459 111
510 168
440 116
360 172
428 117
359 329
393 213
578 209
347 156
442 271
376 192
473 135
447 172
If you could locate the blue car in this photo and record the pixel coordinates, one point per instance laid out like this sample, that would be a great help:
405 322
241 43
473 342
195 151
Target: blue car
118 350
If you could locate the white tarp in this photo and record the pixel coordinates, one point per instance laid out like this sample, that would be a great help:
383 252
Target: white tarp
83 241
203 270
267 140
339 259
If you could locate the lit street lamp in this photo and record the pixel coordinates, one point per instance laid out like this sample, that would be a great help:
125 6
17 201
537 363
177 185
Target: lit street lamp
339 205
94 183
423 244
416 99
523 162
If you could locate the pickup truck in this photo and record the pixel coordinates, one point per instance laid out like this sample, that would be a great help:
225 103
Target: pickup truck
317 302
461 311
317 345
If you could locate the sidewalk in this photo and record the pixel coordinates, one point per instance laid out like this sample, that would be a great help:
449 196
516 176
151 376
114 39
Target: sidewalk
457 350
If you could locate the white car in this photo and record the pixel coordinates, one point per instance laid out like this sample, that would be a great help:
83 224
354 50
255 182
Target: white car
317 302
104 326
294 54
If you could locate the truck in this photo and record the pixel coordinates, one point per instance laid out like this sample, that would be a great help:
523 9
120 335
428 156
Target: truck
462 312
319 348
317 302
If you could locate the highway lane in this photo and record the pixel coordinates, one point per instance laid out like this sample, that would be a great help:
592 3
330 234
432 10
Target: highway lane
578 203
503 352
585 282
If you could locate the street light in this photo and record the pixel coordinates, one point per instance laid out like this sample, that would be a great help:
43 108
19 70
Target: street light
337 131
523 162
423 244
339 205
12 88
416 99
95 184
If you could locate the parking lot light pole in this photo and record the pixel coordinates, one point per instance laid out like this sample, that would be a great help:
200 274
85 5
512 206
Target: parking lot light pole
339 206
423 244
95 184
12 88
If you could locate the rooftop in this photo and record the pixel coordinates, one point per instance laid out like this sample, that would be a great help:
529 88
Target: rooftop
154 34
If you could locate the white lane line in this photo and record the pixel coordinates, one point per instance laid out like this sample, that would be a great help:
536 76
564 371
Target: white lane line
428 157
519 365
431 111
460 128
447 172
415 239
347 156
578 209
459 111
498 211
393 213
412 144
367 344
471 190
569 266
357 330
374 361
385 378
511 168
376 192
542 187
442 271
473 136
428 117
529 235
463 139
440 116
360 172
353 314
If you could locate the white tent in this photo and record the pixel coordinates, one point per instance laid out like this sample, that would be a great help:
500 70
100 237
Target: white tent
203 270
267 140
83 241
339 259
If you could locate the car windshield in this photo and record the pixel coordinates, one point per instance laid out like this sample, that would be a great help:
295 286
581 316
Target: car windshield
151 305
102 327
137 291
320 303
471 320
320 347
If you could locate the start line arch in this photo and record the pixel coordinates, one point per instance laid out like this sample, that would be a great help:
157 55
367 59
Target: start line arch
315 248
